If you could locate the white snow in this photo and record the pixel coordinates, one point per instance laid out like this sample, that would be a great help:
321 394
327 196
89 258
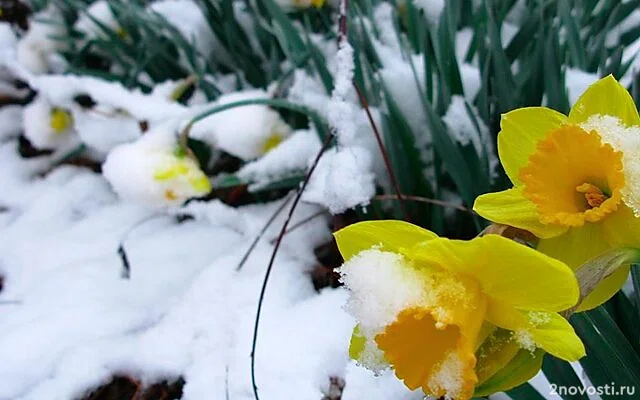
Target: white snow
35 50
292 157
185 311
577 82
432 9
381 285
342 180
626 140
247 131
340 110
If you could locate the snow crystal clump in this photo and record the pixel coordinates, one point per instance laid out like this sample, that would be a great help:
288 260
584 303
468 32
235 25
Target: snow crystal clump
626 140
290 157
341 111
342 180
382 284
525 340
246 132
448 377
154 170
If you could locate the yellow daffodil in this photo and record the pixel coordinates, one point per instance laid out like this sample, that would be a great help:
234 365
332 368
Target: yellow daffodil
576 179
454 317
155 170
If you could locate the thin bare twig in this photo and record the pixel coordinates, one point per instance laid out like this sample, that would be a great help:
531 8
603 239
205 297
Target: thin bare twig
300 223
342 37
296 200
383 151
406 197
262 232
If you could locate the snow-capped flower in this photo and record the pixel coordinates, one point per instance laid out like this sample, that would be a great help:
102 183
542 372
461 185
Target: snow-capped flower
155 170
576 179
48 126
246 132
36 49
447 315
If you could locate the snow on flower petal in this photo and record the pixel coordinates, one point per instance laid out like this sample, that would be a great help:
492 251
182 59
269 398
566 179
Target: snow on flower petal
574 177
430 305
152 171
626 140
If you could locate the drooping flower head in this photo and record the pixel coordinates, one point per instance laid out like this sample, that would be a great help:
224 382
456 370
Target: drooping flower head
454 317
576 179
48 126
155 170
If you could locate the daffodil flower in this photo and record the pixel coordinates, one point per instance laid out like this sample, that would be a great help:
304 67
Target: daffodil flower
576 179
155 170
48 126
454 317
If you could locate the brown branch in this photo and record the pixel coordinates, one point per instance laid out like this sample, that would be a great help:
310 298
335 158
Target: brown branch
420 199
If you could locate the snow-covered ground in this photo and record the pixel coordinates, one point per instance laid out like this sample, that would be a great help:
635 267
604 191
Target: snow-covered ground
69 320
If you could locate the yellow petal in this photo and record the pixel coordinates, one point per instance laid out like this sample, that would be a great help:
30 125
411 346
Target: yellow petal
510 207
505 316
622 228
390 235
605 289
605 97
558 338
580 245
506 270
520 132
357 343
577 246
524 366
548 331
364 350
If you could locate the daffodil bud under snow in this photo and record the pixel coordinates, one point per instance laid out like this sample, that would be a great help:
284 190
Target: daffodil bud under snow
155 170
48 126
246 132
